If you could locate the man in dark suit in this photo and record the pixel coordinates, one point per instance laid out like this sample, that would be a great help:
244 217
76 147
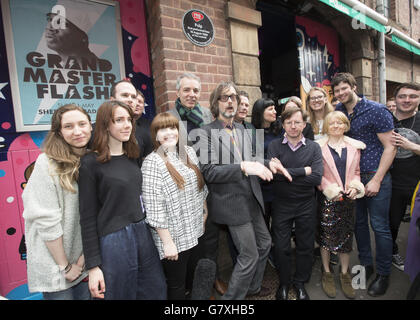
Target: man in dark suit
235 197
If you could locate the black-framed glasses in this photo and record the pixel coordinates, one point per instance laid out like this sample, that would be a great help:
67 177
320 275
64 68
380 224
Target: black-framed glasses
225 97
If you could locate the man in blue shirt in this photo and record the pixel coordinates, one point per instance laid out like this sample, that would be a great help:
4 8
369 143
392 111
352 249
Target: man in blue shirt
371 123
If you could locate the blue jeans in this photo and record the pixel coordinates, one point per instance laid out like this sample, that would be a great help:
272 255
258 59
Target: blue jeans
78 292
378 209
131 265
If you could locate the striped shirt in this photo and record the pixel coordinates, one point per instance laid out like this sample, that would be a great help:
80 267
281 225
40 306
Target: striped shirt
167 207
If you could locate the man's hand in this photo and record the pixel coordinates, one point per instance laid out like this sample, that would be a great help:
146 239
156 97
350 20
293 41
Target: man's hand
372 188
277 167
308 170
257 169
402 142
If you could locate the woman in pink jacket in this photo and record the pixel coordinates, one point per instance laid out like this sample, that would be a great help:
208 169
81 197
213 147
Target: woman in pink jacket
340 186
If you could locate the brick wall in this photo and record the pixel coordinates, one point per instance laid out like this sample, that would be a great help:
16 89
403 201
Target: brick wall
172 53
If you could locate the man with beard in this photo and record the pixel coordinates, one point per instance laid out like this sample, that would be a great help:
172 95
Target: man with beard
405 169
371 123
235 197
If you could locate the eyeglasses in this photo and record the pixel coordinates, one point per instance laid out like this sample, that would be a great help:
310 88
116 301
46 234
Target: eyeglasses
296 123
410 96
316 98
225 98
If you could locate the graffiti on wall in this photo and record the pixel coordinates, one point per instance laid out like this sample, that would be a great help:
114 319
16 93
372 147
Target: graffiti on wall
319 55
18 151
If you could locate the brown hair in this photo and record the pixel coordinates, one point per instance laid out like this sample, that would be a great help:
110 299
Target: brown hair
296 100
66 162
167 120
104 117
327 109
343 77
287 114
216 93
407 85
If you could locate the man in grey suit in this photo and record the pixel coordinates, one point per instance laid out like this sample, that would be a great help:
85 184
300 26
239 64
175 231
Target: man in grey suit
187 109
235 197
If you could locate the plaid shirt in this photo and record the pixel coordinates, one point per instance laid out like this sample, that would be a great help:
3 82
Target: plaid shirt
167 207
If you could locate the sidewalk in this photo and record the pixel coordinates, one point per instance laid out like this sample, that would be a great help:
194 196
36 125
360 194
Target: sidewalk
399 281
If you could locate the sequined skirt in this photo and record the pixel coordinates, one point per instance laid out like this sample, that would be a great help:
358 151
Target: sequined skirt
336 224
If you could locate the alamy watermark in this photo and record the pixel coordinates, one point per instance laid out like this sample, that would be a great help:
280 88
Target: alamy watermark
59 19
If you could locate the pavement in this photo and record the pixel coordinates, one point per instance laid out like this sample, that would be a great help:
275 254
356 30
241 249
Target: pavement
399 281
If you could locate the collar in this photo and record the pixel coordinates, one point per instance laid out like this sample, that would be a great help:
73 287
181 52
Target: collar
302 140
227 125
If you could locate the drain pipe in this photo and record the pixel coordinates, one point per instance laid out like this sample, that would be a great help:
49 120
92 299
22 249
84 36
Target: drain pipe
381 57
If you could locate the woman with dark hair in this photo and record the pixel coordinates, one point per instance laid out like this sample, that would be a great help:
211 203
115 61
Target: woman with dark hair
264 116
120 254
174 195
55 260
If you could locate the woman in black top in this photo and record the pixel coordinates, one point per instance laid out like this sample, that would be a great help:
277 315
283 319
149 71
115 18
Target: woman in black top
121 256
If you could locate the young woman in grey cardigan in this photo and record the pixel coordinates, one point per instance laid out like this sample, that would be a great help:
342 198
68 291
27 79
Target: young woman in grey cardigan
55 261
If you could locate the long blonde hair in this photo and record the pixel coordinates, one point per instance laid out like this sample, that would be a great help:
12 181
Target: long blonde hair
327 109
65 162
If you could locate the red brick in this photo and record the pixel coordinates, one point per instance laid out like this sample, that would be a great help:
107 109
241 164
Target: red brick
201 58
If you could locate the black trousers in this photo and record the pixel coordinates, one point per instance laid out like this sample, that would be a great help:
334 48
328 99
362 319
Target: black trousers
302 213
399 201
179 274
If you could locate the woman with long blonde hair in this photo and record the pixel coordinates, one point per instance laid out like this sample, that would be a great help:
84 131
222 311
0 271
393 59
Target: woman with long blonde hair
55 260
318 107
175 199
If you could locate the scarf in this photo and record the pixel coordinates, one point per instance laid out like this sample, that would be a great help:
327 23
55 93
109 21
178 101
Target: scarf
194 115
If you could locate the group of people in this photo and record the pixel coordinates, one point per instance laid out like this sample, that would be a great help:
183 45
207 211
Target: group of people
127 209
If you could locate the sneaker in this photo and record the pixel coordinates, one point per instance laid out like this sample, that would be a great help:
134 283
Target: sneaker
398 262
346 286
328 284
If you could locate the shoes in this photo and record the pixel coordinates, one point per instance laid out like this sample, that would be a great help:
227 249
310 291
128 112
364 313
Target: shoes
264 292
378 286
328 284
282 292
220 286
301 293
398 262
346 286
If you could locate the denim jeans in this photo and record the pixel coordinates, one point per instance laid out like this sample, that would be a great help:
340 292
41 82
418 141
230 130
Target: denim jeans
131 265
78 292
378 209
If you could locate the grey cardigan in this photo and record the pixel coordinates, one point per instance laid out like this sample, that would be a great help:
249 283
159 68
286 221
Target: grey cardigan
49 212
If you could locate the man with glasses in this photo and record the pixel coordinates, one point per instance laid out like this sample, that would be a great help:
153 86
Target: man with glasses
405 169
371 123
235 197
294 202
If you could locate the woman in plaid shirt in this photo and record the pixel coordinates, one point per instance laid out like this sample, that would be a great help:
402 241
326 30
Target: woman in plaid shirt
174 195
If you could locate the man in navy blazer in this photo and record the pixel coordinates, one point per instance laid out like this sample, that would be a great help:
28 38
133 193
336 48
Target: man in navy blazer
235 198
